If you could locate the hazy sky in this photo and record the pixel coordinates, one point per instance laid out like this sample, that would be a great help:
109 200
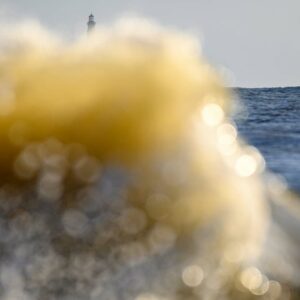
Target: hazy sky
257 40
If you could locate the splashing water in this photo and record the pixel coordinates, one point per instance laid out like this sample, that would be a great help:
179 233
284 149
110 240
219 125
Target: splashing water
123 178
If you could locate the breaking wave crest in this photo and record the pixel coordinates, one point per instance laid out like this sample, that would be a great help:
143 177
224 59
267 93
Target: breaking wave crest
122 176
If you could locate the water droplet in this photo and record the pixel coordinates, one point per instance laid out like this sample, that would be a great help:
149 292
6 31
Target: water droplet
226 134
251 278
87 169
50 186
246 165
75 222
192 276
161 238
212 114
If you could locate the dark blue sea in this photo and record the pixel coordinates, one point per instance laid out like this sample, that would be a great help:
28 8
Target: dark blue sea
271 122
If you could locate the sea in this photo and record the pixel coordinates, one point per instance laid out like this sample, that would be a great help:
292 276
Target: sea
269 119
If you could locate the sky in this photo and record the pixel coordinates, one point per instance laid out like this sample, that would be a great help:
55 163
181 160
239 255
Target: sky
255 42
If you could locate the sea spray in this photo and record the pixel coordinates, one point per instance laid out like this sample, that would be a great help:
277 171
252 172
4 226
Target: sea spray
121 175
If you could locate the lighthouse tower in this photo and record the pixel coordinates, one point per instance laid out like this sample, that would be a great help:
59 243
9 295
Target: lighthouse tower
91 23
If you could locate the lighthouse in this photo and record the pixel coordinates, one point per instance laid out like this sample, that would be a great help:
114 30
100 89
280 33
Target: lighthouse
91 23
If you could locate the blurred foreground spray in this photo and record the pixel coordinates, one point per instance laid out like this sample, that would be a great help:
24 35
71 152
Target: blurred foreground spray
122 176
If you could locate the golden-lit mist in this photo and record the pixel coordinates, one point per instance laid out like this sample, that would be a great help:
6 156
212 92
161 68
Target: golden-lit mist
125 163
